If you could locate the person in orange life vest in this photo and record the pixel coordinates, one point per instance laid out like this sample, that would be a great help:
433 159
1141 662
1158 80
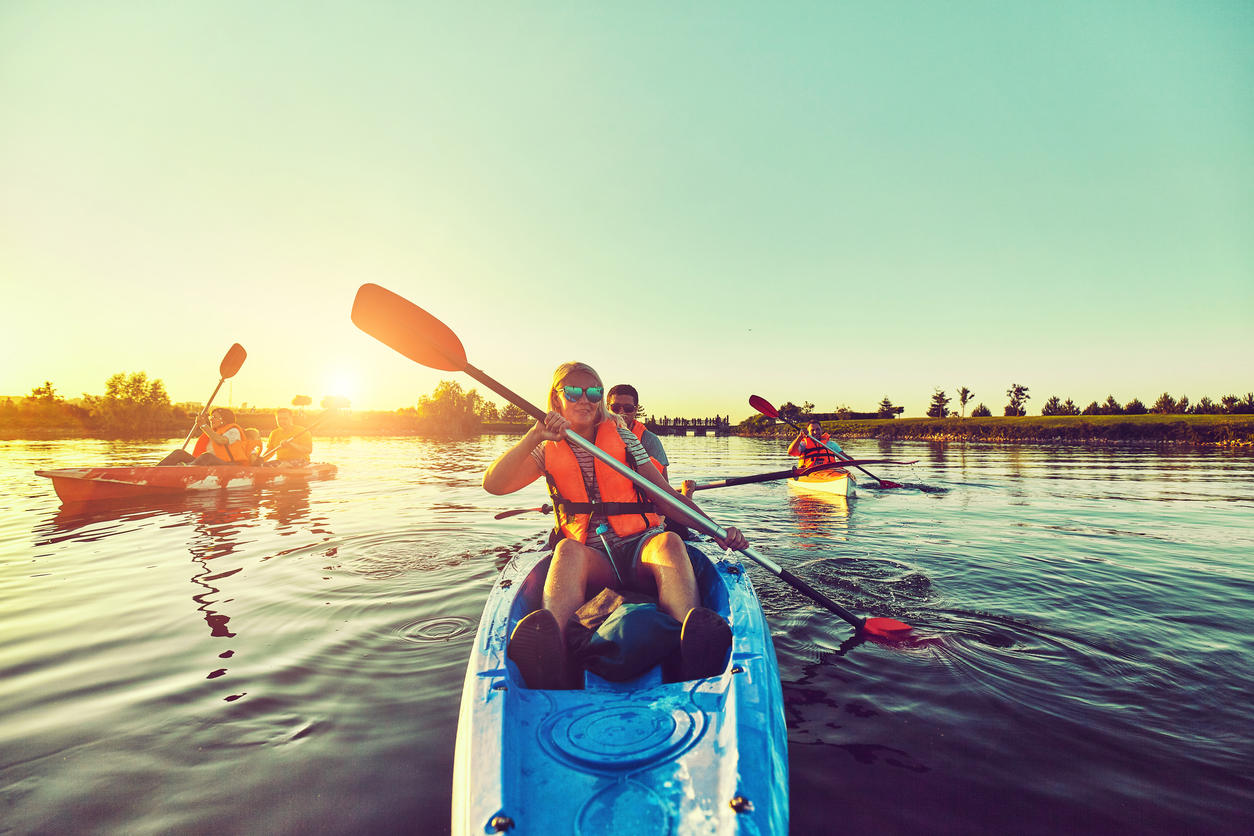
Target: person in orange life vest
252 436
625 401
222 442
813 452
227 442
581 567
294 442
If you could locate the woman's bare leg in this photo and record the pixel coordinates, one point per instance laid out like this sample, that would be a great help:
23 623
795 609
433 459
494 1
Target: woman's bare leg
575 570
666 559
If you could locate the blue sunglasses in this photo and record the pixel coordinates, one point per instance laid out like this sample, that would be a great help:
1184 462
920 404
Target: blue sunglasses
574 393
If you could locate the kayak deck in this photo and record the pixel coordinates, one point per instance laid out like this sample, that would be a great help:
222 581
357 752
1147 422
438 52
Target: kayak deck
834 480
644 756
93 484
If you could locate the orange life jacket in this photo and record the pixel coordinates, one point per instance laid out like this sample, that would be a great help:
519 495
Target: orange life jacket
813 453
627 510
638 429
237 452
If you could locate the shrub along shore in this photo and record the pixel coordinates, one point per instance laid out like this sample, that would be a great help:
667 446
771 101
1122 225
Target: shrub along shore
1210 430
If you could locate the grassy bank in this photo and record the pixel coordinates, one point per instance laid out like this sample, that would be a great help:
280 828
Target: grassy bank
1223 430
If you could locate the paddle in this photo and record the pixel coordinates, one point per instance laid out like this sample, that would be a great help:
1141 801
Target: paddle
408 329
764 406
789 474
307 430
230 364
543 509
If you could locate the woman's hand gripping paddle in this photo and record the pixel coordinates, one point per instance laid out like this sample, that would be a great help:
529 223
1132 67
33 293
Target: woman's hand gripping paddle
411 331
764 406
230 364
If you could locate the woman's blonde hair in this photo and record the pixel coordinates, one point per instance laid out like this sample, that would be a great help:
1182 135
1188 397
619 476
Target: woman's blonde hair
566 370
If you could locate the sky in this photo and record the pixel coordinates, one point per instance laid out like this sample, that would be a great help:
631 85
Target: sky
832 202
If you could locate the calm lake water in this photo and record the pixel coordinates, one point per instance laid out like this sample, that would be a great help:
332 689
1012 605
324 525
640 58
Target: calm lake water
291 660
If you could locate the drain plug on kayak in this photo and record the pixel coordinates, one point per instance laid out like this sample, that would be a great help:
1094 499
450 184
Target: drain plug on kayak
501 823
741 804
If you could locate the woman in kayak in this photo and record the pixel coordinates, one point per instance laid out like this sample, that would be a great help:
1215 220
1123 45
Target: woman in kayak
611 534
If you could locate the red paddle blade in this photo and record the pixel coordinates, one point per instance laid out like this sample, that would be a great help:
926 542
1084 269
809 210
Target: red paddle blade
404 327
764 406
887 628
232 361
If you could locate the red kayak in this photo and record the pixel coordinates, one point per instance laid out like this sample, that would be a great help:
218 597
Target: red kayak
89 484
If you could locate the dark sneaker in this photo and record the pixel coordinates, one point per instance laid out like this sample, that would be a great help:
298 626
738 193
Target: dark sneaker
704 643
536 648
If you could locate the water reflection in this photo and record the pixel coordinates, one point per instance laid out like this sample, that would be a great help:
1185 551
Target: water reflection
821 517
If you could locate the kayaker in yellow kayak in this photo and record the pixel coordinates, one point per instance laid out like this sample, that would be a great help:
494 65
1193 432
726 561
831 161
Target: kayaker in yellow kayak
293 442
631 552
813 453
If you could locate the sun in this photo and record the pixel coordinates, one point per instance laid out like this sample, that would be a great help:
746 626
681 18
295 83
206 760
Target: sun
342 383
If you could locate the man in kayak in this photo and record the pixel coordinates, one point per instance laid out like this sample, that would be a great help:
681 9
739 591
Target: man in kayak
612 536
812 452
624 401
293 442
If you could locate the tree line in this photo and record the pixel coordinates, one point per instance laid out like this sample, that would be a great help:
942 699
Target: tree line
1017 398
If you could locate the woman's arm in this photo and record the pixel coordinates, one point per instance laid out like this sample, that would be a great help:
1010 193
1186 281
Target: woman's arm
515 469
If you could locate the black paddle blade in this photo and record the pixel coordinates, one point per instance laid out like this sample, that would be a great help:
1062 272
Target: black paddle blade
764 406
406 328
232 361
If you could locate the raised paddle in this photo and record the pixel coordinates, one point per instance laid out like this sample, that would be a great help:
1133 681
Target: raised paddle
411 331
789 474
764 406
230 364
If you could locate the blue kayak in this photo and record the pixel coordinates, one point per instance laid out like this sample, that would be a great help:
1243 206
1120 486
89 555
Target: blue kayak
638 757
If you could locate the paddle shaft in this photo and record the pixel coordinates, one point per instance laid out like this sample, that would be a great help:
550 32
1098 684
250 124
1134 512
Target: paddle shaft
789 474
208 403
308 429
696 517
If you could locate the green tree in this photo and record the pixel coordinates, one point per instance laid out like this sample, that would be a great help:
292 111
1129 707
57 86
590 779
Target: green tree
1182 405
981 411
1165 405
132 405
1053 406
301 401
1093 409
1135 407
1069 408
940 405
1018 395
45 393
886 409
1207 407
450 410
513 414
1111 406
964 397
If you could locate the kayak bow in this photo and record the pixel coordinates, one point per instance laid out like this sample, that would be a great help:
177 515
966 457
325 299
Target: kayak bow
637 757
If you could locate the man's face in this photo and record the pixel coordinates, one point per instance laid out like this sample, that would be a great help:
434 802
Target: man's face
624 405
284 419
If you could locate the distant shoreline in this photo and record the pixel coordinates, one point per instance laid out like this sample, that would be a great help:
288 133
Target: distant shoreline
1196 430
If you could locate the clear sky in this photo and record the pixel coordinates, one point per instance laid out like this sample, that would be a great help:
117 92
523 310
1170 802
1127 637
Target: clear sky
827 202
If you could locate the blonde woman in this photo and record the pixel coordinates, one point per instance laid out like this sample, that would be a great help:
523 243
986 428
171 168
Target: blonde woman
633 553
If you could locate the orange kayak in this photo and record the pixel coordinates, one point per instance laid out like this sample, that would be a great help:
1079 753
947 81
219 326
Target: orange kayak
91 484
